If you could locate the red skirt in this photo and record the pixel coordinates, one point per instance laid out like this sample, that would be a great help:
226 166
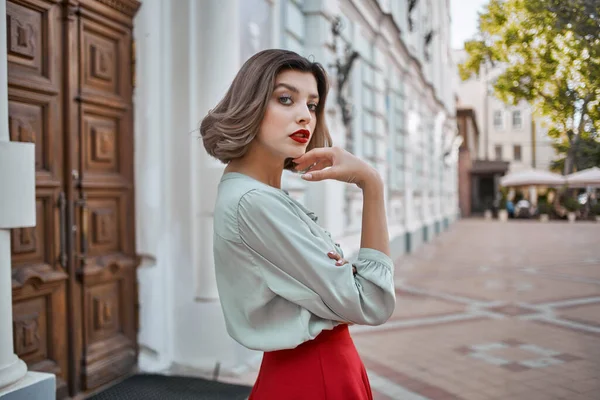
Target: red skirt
327 367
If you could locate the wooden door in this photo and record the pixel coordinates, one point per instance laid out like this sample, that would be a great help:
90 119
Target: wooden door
39 264
104 196
74 282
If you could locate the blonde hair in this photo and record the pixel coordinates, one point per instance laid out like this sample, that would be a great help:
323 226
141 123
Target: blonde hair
229 128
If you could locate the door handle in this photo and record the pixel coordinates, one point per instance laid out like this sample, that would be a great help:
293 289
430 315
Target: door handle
62 210
84 217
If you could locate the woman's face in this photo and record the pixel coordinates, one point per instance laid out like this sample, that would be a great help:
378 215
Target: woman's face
290 117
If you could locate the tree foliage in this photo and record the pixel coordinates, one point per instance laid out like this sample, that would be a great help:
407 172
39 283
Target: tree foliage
550 54
586 153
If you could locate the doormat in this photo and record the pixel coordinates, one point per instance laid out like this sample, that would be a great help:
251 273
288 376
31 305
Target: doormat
162 387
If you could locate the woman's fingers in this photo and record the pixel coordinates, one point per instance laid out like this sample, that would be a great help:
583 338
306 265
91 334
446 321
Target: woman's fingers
314 176
313 156
320 165
335 256
307 166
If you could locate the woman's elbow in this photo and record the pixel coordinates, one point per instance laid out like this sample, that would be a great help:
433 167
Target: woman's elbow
378 313
385 314
388 311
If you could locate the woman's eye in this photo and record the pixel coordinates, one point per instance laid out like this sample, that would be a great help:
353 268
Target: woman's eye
313 107
286 100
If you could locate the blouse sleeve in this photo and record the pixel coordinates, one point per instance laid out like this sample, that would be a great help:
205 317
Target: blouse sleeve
294 263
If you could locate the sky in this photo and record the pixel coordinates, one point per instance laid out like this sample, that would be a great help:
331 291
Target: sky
464 20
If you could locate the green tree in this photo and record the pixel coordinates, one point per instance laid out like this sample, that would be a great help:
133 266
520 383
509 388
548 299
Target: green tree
551 53
586 152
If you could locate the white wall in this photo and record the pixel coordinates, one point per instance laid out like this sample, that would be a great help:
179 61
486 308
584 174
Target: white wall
181 72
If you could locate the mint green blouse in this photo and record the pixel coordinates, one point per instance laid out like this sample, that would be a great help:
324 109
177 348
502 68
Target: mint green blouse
277 286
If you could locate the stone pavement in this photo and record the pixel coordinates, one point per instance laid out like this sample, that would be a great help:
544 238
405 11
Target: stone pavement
492 310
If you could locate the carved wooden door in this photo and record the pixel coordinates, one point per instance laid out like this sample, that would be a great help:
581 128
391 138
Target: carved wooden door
39 256
104 195
74 274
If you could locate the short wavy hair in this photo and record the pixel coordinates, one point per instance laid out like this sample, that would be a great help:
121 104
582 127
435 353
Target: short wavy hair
229 128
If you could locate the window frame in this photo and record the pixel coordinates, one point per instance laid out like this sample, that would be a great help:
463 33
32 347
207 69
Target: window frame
500 113
520 152
520 114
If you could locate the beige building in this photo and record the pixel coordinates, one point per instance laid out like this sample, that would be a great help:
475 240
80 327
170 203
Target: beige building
508 133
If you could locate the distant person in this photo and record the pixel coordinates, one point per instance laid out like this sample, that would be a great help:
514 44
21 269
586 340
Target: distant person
284 285
510 207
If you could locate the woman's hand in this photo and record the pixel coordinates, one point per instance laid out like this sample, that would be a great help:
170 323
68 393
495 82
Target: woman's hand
339 260
336 163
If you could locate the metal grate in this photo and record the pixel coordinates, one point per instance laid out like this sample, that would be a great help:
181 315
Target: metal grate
162 387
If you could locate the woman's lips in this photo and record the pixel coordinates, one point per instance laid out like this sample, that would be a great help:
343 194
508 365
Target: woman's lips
299 139
301 136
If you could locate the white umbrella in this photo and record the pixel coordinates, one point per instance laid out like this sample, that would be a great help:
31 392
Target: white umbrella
532 177
586 177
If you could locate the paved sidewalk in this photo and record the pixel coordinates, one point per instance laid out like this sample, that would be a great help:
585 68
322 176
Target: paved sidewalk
493 310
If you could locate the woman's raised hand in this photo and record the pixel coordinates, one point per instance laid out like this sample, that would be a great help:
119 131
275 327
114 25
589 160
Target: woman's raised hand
335 163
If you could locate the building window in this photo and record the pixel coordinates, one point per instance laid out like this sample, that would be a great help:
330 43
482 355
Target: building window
516 120
369 148
256 27
400 138
498 151
517 152
498 119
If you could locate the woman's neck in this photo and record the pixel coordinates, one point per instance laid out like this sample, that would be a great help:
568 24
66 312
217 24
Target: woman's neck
258 168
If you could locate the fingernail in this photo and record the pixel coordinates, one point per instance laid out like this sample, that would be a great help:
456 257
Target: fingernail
331 253
306 176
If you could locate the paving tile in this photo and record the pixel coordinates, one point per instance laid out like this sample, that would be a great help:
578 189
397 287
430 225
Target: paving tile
531 395
490 309
587 386
380 396
474 395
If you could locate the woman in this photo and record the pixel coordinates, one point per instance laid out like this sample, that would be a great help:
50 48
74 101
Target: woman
283 284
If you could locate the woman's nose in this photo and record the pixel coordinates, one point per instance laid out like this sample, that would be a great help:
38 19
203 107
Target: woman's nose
304 116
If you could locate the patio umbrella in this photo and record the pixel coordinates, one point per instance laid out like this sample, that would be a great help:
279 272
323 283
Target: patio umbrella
586 177
532 177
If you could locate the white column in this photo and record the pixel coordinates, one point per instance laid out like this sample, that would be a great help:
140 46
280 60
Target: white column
154 233
215 58
413 121
11 367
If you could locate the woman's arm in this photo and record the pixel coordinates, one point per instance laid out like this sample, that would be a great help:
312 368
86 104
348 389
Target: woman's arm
374 233
336 163
292 259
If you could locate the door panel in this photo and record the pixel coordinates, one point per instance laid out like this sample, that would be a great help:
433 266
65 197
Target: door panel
74 273
106 61
106 244
33 44
108 281
39 276
34 117
39 327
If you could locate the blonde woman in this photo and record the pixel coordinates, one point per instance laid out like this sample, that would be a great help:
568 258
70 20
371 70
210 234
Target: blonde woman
284 285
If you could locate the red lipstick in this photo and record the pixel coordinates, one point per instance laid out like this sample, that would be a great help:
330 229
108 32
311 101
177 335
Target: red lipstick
301 136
